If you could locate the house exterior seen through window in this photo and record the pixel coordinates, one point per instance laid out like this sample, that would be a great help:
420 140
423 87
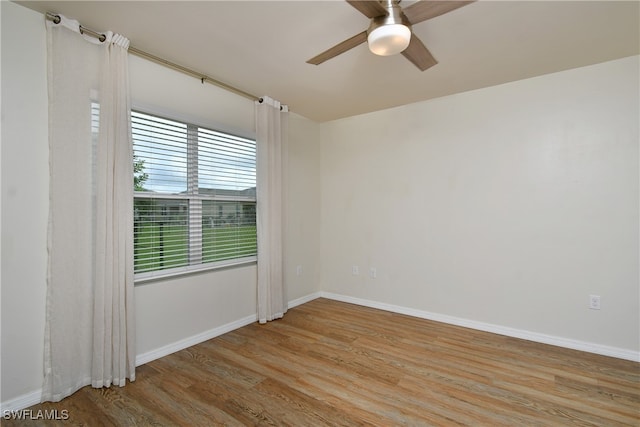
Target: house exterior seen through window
195 195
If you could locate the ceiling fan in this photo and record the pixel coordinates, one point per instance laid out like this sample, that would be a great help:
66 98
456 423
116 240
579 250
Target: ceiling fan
390 30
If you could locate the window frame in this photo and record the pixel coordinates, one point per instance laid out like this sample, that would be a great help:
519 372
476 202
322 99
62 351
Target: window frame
194 201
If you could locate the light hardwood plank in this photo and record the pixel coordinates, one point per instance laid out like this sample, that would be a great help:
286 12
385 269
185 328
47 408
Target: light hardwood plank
332 363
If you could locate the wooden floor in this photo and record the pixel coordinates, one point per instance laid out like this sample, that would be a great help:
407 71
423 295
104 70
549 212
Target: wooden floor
331 363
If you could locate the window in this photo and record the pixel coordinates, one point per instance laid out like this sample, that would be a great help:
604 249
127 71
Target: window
194 197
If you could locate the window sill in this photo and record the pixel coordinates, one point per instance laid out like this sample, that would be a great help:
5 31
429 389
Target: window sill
153 276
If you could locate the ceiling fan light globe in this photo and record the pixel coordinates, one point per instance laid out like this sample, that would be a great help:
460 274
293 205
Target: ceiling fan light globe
389 39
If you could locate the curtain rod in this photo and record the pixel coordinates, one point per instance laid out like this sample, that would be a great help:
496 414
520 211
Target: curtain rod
142 54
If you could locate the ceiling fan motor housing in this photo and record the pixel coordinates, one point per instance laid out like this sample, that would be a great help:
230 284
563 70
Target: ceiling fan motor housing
389 34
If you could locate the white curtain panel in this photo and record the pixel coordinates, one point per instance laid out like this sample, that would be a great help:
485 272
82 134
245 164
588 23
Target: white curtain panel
272 123
113 317
89 335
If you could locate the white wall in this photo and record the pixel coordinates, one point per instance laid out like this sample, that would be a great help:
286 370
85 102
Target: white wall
161 90
25 199
508 205
170 314
303 230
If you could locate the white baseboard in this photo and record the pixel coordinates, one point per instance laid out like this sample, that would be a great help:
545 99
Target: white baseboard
166 350
588 347
304 299
21 402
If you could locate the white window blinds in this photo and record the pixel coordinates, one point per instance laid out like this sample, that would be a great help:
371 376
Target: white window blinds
194 199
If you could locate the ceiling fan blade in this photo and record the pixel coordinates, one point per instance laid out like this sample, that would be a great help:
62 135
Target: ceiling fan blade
339 48
369 8
418 53
427 9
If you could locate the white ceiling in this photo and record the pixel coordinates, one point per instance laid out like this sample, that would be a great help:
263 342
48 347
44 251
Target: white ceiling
261 46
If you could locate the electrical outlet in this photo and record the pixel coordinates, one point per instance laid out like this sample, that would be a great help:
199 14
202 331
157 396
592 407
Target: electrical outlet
355 270
373 272
594 302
